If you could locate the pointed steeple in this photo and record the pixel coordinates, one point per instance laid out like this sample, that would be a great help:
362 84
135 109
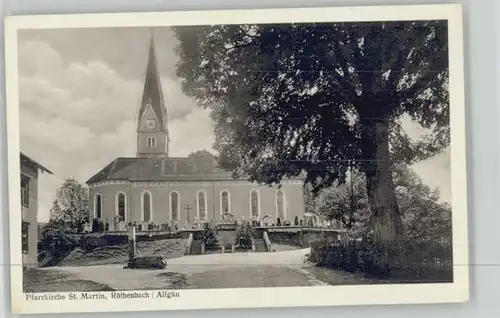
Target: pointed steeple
152 110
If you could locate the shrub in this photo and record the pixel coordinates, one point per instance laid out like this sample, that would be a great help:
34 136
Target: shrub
210 234
58 241
403 258
244 236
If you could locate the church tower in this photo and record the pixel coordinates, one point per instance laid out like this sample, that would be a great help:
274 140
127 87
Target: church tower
152 130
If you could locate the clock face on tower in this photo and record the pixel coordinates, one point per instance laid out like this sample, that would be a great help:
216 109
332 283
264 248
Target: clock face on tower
150 123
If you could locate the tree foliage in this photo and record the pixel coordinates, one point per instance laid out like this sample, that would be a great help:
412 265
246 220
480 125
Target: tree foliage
318 98
424 217
69 213
201 154
347 202
71 206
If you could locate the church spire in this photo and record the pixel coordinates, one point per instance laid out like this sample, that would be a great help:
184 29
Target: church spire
152 131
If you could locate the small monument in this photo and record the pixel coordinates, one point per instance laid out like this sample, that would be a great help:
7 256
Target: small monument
121 226
141 262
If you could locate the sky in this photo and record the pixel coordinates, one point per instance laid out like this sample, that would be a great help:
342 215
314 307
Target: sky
80 92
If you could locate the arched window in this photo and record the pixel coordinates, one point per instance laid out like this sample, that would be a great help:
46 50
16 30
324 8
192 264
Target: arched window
147 207
98 206
280 204
174 206
254 204
202 205
121 206
225 203
151 142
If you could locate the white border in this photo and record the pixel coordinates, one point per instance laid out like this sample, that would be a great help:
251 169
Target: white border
458 291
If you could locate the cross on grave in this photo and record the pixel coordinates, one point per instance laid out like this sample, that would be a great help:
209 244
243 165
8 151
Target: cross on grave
188 210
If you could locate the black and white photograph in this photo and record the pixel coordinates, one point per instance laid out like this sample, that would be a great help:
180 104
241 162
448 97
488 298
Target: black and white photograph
160 158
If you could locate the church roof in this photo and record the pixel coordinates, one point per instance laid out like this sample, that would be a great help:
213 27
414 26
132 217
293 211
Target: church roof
161 169
153 93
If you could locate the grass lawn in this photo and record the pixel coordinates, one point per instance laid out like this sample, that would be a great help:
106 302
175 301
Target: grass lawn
168 248
39 281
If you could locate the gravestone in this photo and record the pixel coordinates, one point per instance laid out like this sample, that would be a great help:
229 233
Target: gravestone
87 228
121 226
228 218
227 236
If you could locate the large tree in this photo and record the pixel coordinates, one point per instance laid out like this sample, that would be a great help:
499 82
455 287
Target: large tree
70 208
294 98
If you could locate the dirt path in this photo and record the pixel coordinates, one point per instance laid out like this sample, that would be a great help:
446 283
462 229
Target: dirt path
238 270
205 271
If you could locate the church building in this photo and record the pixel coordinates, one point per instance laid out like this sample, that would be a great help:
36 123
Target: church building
155 188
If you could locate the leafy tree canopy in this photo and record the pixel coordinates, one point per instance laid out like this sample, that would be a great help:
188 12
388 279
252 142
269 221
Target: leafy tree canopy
424 216
201 153
318 98
71 206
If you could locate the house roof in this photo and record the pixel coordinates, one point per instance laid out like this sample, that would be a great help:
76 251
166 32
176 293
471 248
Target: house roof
27 160
162 169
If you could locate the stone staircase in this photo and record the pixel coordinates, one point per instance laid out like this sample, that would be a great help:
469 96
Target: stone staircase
227 248
260 245
196 247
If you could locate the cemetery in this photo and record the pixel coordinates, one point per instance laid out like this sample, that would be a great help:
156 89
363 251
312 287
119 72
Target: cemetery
197 238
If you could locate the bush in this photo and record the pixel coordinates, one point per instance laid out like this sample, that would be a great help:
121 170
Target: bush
244 236
405 258
210 235
58 241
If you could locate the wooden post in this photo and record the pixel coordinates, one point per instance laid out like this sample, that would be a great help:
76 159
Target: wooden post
131 244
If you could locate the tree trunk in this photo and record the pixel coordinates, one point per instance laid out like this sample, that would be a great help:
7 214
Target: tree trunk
385 219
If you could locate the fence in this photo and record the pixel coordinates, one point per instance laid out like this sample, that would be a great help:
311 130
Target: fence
400 260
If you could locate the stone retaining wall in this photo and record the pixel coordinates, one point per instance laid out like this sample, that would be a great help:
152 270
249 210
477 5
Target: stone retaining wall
300 237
